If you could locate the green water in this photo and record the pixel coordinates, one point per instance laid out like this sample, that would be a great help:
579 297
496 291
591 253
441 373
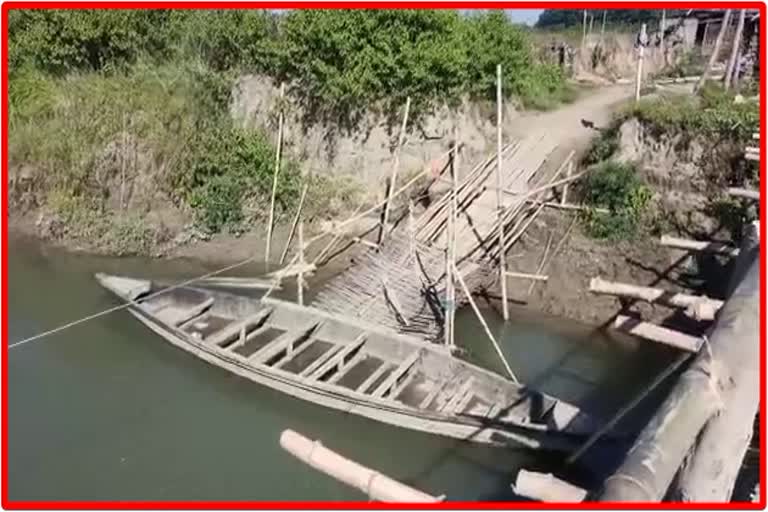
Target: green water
108 410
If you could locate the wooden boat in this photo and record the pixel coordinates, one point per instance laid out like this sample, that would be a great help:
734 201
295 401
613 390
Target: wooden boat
348 365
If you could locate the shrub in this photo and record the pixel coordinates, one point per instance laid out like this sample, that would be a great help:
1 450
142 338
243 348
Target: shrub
617 188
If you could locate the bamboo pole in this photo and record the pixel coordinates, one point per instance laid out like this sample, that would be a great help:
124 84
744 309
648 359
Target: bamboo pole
639 76
541 262
563 198
584 32
488 332
450 307
294 224
715 50
658 334
499 198
395 166
300 274
599 433
591 23
744 192
523 275
730 69
374 484
602 29
275 176
695 245
650 295
662 29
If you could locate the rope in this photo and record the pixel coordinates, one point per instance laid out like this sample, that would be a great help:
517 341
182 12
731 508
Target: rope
127 304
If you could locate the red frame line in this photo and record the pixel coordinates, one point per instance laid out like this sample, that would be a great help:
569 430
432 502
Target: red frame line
293 505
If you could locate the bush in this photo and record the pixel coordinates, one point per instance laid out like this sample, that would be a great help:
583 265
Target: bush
617 188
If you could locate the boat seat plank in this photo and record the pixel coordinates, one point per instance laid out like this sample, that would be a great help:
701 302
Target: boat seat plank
451 403
462 403
283 342
390 381
290 357
404 384
240 341
345 367
234 329
373 377
433 393
193 313
338 358
321 360
493 411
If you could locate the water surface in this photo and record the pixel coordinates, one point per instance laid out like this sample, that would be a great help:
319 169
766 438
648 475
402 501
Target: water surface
108 410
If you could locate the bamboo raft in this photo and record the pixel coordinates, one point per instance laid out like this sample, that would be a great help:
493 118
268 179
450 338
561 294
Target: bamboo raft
352 366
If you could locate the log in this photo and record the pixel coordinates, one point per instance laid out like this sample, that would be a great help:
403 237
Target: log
547 487
652 295
656 333
745 193
375 485
695 245
710 471
729 366
715 51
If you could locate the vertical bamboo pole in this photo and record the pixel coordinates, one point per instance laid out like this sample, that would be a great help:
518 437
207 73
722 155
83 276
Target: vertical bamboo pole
639 77
715 50
704 35
591 23
395 165
584 31
123 151
729 71
411 231
294 224
662 28
602 29
300 275
274 178
450 290
564 197
499 198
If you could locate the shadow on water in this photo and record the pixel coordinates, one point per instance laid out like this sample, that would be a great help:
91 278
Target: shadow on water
106 410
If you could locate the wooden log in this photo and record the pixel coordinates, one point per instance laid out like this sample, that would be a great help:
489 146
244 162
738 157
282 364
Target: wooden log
521 275
488 332
651 295
730 365
278 150
695 245
715 52
372 483
547 487
709 473
656 333
745 193
730 70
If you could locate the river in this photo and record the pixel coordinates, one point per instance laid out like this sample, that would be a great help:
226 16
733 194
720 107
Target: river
107 410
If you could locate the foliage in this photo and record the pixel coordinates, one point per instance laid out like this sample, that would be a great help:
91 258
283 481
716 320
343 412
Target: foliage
617 188
603 146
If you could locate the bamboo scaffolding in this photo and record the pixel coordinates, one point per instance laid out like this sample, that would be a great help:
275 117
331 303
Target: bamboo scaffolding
278 150
716 50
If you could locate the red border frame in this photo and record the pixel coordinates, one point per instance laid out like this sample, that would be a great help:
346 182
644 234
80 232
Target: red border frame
464 4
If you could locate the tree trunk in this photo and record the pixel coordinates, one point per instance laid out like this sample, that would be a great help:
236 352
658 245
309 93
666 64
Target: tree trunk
722 376
715 50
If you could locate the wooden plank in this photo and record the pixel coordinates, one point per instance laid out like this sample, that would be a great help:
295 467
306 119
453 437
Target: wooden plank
433 393
321 360
245 339
462 404
283 342
345 367
373 377
522 275
193 312
651 295
234 328
289 357
745 193
396 374
404 384
450 404
493 411
657 333
338 358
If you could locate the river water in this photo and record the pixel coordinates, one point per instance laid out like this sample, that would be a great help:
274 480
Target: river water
108 410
